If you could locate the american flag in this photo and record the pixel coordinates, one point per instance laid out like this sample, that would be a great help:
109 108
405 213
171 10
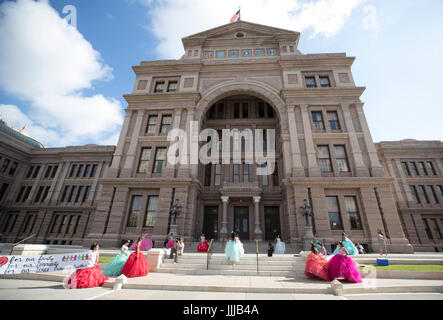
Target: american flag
236 17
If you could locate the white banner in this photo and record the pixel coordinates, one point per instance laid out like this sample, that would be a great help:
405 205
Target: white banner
46 263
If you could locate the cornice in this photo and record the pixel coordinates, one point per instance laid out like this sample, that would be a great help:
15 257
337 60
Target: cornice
230 66
323 92
163 97
339 182
316 61
160 67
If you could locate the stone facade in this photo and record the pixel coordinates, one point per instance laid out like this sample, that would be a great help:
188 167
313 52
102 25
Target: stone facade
242 76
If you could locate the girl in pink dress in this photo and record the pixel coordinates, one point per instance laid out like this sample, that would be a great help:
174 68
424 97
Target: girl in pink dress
316 265
341 265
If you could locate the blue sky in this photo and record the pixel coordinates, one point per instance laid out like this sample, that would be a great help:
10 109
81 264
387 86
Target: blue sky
60 92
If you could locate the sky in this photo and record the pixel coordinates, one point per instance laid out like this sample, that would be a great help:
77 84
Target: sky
65 64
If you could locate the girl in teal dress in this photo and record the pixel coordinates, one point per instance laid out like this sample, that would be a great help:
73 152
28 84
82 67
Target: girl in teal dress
350 247
114 268
233 250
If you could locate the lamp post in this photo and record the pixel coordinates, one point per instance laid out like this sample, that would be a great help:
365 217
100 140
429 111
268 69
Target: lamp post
308 234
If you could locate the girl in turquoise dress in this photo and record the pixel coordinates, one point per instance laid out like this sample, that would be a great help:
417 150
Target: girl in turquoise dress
233 250
114 268
350 247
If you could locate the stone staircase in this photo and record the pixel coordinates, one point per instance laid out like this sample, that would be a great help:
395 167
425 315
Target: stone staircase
248 245
280 265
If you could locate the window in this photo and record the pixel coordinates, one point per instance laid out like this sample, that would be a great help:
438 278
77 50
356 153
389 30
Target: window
431 192
54 171
5 165
236 169
291 48
246 53
428 230
28 175
261 110
172 86
236 110
217 177
195 53
145 157
310 82
414 194
63 224
48 171
208 54
211 114
275 175
65 192
220 111
134 212
333 213
440 192
341 159
423 193
435 227
352 210
430 168
8 222
245 110
73 190
45 194
86 195
414 168
317 119
189 53
20 193
421 168
152 124
245 172
160 158
221 54
405 167
94 169
333 120
39 193
259 52
55 223
159 87
73 168
70 224
13 168
79 172
285 49
208 172
166 124
272 52
324 82
233 53
27 192
3 190
270 111
80 190
76 225
324 159
152 211
36 171
27 223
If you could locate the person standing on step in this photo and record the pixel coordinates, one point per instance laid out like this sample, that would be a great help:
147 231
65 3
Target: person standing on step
280 247
180 247
233 250
237 240
203 245
270 249
382 242
136 265
114 268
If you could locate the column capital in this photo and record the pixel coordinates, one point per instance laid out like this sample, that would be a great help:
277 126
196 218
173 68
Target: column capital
224 199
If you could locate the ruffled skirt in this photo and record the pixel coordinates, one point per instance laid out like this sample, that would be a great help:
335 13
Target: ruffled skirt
341 266
85 278
136 267
280 248
317 267
115 267
234 251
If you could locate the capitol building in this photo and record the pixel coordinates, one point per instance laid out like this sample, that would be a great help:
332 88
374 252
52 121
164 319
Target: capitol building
237 76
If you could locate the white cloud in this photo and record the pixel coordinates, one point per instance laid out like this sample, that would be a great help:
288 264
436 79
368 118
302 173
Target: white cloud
172 20
47 62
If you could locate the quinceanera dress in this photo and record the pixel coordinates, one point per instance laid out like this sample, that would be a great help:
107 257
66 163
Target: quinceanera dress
233 251
317 267
86 277
203 245
350 247
114 268
136 267
343 266
280 247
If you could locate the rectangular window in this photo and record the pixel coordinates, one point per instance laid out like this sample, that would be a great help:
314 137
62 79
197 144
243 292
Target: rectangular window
421 168
236 169
65 192
317 119
221 54
414 194
261 110
245 172
208 172
334 213
55 223
324 82
73 190
310 82
86 172
79 192
70 224
8 222
434 225
79 172
324 159
27 223
272 52
236 110
414 168
86 195
352 210
151 215
73 169
233 53
172 86
45 194
36 171
432 194
20 193
5 165
220 111
342 160
48 171
159 87
76 225
264 178
427 229
217 177
166 124
430 168
63 224
152 124
333 120
39 193
423 194
27 192
245 110
93 171
145 157
160 158
134 211
246 53
28 175
13 168
3 190
54 172
275 175
440 192
259 52
405 167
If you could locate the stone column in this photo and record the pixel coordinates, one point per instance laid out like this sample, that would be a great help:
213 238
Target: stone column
128 169
313 168
170 169
376 168
113 170
360 168
224 228
257 231
184 170
297 167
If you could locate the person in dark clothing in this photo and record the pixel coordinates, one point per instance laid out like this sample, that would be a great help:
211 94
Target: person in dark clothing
270 249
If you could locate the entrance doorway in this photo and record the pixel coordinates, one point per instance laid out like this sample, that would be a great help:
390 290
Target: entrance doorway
210 223
241 222
272 223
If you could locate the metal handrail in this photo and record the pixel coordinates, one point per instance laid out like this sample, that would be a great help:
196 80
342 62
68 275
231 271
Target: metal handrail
14 244
209 254
256 247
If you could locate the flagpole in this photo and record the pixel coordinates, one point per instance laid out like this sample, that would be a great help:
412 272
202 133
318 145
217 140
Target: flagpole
239 15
